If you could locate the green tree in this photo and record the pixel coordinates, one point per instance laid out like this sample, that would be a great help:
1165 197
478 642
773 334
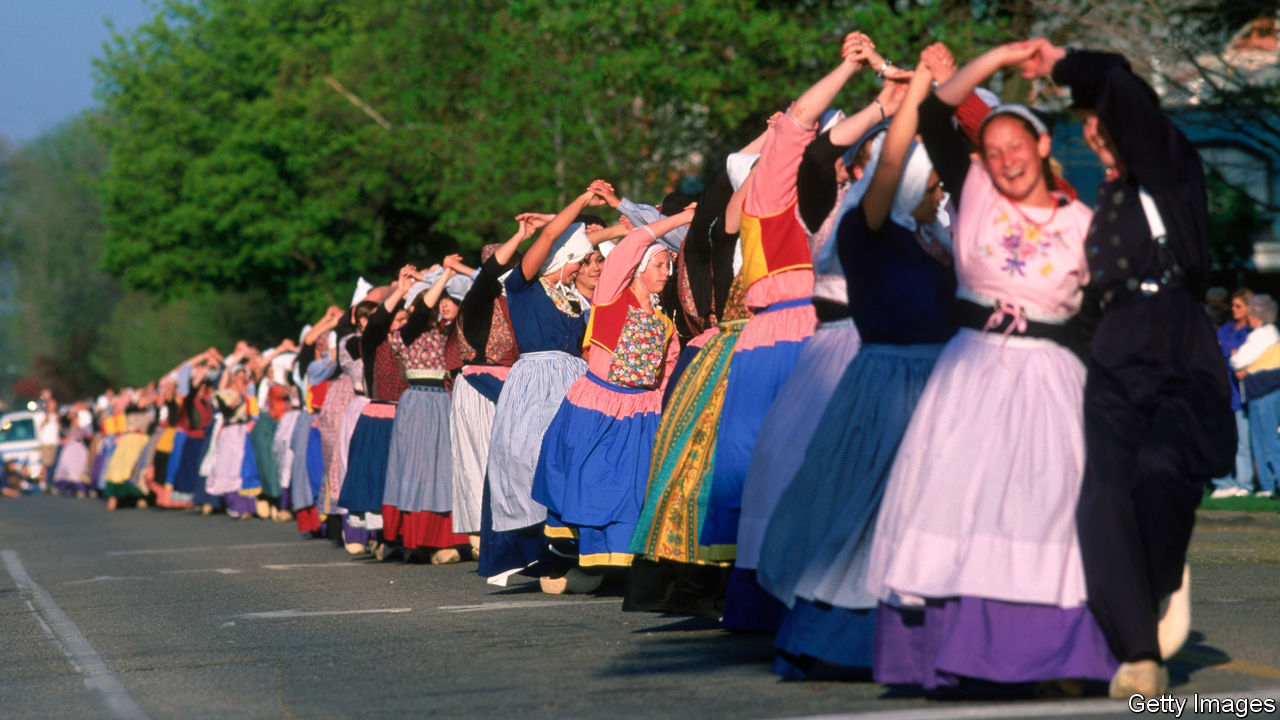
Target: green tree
1233 222
290 145
145 337
51 237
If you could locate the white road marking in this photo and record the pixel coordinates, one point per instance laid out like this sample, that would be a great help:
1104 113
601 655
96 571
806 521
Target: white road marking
84 659
517 604
1066 708
220 571
295 613
105 578
296 566
206 548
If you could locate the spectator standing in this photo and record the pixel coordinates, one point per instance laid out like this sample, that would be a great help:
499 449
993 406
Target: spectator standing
1260 354
1231 336
47 433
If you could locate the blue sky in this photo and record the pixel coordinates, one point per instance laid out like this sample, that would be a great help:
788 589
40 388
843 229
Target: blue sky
45 51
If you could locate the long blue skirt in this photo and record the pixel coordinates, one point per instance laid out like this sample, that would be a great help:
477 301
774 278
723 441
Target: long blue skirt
787 429
365 482
593 469
301 495
755 377
827 514
187 479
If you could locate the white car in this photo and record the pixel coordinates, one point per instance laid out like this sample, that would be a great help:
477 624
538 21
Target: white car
18 441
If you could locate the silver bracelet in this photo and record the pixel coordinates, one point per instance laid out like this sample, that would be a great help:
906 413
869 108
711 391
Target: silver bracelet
880 105
885 66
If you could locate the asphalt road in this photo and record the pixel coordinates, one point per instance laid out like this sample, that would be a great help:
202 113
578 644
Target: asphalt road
165 614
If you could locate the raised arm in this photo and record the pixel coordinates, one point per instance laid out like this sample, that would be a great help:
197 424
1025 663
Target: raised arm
815 101
878 200
408 276
978 70
541 248
1147 144
621 265
431 297
947 149
323 325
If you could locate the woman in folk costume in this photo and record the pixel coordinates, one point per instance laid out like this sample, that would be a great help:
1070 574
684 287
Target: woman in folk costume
318 365
166 418
128 451
548 316
282 451
594 465
778 272
337 400
273 402
1158 421
70 474
483 348
351 360
418 499
227 477
975 556
195 420
262 438
901 290
673 574
364 484
831 164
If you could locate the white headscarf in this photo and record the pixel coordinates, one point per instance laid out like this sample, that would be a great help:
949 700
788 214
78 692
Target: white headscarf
572 246
362 288
738 166
911 188
649 254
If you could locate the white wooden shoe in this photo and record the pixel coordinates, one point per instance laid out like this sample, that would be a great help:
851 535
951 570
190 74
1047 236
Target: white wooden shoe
1144 677
446 556
1175 620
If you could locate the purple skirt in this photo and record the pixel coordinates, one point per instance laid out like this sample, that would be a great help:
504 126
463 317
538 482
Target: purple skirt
949 640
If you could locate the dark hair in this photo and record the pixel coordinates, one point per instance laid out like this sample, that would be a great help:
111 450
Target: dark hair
675 203
364 309
591 220
1046 167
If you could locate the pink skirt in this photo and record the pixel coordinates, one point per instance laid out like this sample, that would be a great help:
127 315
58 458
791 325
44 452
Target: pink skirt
982 496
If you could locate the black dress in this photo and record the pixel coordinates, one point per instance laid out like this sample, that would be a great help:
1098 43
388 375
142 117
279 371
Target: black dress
1158 421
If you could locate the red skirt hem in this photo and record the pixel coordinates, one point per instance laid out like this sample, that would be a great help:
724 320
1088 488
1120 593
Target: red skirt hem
430 530
392 522
308 520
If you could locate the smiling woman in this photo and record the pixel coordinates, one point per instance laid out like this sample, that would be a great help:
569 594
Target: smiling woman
975 553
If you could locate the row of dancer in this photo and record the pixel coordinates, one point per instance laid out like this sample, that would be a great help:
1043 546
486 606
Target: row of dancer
931 439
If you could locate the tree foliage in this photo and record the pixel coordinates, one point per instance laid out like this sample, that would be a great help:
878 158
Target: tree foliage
291 145
50 235
145 337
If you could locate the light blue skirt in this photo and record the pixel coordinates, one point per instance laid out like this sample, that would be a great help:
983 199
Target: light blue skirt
530 399
420 466
300 485
788 427
836 493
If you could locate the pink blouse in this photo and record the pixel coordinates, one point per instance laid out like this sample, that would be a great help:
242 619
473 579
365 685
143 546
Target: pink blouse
1031 259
